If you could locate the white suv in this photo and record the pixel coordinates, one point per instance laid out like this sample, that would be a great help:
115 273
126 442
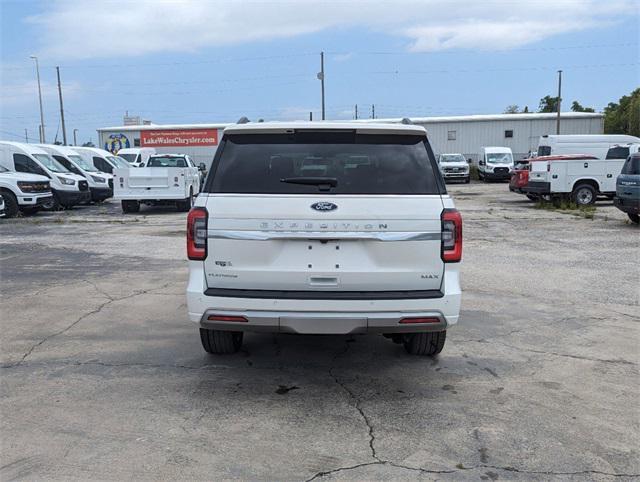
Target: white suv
324 228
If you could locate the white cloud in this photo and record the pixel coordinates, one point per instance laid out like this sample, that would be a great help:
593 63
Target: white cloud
118 28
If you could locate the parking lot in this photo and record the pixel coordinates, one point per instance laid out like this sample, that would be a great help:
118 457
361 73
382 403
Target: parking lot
103 377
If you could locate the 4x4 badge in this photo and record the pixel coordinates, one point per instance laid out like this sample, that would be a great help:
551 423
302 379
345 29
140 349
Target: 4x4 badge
324 206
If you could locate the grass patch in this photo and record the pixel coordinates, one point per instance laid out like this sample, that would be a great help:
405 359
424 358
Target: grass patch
567 207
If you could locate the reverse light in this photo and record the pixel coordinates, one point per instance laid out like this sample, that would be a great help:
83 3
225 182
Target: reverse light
197 234
451 244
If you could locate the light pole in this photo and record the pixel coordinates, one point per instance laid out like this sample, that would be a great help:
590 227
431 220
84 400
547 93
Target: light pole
42 138
75 141
321 79
559 100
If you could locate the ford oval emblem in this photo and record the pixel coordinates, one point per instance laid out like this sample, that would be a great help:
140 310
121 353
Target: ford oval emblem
324 206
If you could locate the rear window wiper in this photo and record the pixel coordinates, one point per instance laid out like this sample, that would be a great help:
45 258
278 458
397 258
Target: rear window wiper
323 183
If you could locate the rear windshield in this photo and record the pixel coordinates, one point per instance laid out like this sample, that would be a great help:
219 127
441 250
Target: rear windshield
167 162
333 162
632 166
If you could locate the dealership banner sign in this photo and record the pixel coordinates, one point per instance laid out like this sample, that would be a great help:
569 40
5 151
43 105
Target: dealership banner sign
181 137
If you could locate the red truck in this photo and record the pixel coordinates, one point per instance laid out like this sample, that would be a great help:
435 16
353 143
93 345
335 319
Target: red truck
520 174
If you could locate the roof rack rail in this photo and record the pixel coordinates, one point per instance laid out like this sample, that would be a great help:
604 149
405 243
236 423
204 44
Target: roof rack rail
243 120
407 121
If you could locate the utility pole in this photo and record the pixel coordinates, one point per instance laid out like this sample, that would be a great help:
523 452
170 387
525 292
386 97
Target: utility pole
373 111
64 130
356 111
321 78
26 135
75 141
42 138
559 100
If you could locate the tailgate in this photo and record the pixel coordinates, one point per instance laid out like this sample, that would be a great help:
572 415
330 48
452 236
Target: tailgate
368 244
149 182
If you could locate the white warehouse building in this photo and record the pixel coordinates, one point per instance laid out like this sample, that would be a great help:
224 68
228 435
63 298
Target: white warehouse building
521 132
456 134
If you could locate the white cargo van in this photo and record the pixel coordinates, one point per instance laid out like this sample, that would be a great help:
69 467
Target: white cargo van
594 145
23 192
100 183
324 228
166 179
102 160
136 156
495 163
68 189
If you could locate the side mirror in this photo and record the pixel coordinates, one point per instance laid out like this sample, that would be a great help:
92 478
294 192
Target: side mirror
469 161
481 163
202 166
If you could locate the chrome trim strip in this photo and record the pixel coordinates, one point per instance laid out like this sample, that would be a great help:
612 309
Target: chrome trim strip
374 236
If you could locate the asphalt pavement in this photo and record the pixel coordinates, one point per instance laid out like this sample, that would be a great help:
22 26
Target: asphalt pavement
103 377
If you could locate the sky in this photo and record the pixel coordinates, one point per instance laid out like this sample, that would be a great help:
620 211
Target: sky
201 61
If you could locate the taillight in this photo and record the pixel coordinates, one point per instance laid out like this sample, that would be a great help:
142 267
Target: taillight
451 245
197 234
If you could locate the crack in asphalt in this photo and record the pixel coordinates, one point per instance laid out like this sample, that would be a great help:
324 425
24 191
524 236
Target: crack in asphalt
617 361
356 401
74 323
461 468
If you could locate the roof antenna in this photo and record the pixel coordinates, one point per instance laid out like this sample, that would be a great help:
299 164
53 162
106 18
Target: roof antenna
407 121
243 120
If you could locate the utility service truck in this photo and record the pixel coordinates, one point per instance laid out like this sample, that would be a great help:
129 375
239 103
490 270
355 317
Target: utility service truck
166 179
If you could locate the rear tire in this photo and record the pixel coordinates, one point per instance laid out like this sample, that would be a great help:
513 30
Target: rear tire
11 207
130 207
635 218
467 180
584 195
220 342
422 344
186 205
532 197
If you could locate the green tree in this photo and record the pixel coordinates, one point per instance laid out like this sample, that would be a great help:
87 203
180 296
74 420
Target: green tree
548 104
623 117
512 109
577 107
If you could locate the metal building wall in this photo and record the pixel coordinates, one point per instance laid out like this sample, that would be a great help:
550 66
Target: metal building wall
472 135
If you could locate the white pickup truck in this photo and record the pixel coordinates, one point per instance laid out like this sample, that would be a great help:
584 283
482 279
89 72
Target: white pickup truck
166 179
580 181
324 228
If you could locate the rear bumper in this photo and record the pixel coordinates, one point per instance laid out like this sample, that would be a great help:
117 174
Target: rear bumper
323 315
627 205
537 187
